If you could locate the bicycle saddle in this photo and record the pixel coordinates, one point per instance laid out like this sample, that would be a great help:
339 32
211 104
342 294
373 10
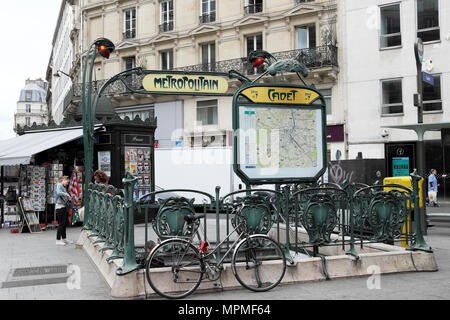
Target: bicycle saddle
190 218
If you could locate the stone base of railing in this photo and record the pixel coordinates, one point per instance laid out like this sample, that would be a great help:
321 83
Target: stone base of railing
387 259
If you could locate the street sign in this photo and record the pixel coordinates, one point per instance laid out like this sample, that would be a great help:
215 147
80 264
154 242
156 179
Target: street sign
182 83
428 78
280 134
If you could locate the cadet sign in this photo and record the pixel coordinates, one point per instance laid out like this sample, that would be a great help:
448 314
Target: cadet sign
280 134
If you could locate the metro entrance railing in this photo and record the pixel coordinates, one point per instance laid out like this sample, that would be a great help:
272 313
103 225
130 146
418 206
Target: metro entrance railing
304 219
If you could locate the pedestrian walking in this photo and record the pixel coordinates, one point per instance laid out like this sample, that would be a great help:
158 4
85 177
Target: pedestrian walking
432 188
62 207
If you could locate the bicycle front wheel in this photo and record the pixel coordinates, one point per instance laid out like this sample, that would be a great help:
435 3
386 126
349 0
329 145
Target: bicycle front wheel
258 263
174 269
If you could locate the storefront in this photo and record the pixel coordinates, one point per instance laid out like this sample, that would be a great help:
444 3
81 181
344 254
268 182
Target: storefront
36 159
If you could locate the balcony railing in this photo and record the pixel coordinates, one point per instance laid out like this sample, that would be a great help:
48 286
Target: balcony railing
314 58
207 18
319 57
129 34
253 8
166 26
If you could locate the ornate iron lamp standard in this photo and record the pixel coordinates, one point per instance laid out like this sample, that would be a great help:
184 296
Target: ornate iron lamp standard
104 48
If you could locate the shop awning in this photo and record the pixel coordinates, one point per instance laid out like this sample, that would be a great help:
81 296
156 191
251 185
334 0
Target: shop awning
19 150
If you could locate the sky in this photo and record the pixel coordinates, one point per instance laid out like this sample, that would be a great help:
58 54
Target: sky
26 30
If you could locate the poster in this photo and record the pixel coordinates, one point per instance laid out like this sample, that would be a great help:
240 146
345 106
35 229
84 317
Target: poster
104 162
400 167
137 162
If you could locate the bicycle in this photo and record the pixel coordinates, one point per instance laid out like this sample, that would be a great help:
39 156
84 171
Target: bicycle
258 262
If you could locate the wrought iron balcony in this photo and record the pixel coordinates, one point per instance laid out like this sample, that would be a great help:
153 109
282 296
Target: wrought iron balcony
166 26
129 34
253 8
207 18
314 58
319 57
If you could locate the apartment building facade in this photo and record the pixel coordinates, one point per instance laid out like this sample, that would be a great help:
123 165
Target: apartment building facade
32 105
380 77
208 35
64 62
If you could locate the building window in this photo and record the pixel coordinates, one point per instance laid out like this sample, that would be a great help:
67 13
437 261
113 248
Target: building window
27 121
28 95
327 97
207 112
129 63
432 100
208 54
166 16
392 97
253 6
129 24
208 10
390 26
428 20
306 37
254 43
28 108
143 112
166 60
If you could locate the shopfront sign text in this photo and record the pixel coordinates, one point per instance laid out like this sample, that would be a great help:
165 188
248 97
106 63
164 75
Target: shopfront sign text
280 95
183 83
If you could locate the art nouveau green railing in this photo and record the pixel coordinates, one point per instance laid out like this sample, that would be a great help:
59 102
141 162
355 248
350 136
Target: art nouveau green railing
326 215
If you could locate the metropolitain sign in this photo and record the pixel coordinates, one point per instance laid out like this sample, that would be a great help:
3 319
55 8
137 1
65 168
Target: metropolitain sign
173 83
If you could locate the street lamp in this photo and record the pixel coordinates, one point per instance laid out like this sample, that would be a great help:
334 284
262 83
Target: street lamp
103 47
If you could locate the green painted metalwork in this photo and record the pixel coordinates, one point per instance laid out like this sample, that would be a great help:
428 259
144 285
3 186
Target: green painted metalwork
380 212
318 210
170 222
110 215
321 210
419 241
129 260
88 115
118 230
256 210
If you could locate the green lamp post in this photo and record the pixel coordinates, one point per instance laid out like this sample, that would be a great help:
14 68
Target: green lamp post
104 48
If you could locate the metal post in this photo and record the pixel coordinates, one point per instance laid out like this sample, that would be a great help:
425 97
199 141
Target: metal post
129 260
88 114
419 241
419 52
85 105
217 221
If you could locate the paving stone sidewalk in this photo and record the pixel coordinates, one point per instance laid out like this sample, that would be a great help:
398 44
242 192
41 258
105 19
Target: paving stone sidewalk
24 250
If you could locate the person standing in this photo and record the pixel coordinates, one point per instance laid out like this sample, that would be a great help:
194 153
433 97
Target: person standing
432 188
101 178
62 198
